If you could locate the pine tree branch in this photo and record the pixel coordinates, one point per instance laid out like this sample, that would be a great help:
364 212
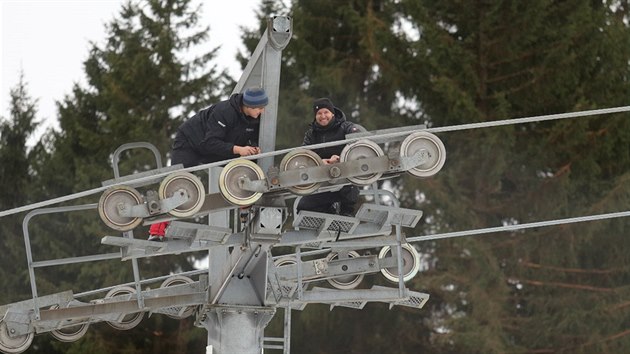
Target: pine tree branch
587 344
566 285
568 270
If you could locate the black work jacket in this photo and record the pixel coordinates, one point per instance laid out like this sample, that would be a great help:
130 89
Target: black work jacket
214 131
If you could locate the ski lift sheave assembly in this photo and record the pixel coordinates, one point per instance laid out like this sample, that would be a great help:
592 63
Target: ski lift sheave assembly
245 282
289 280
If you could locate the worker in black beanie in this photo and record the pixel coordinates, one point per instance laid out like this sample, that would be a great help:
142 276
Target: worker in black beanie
330 124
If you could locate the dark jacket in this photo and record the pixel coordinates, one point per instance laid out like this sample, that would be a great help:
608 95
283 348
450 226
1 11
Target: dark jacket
214 131
334 131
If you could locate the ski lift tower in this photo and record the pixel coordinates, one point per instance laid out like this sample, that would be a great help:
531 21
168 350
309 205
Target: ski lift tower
245 283
236 316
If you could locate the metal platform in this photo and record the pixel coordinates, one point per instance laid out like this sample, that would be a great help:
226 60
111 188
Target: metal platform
321 222
358 298
389 215
132 248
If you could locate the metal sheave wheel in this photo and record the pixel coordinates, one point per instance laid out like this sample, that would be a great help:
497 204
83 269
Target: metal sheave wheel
129 321
182 312
177 181
71 333
285 260
434 147
411 263
111 200
345 282
230 187
301 158
12 345
358 150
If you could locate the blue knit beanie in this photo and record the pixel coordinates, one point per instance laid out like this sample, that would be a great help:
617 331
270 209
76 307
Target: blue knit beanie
255 97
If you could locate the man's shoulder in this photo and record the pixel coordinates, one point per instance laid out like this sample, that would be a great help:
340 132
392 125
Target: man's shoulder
222 110
351 127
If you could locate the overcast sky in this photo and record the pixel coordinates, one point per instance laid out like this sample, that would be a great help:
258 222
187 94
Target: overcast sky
48 41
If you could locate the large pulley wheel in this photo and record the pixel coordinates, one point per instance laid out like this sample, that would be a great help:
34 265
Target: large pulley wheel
435 150
71 333
362 149
298 159
183 181
128 321
230 182
9 344
285 260
348 281
178 312
411 263
115 199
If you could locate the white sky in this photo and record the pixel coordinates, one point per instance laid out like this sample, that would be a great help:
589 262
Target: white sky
48 41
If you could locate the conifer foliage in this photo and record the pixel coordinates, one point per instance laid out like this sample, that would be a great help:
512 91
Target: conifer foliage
386 63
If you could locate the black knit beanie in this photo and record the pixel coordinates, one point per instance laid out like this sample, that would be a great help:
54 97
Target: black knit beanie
323 103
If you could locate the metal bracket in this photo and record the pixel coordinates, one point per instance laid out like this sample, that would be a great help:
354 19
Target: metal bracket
143 210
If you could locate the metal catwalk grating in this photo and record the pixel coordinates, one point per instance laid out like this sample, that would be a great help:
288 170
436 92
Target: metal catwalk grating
311 222
339 225
351 304
415 300
325 222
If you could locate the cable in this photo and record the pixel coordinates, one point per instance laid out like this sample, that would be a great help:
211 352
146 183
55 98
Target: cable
319 146
519 227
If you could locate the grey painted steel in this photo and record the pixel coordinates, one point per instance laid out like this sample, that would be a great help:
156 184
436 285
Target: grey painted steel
148 177
136 145
142 282
217 218
236 329
27 243
263 70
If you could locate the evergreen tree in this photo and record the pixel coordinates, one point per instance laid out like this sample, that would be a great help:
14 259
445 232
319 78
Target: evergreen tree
388 63
483 62
446 63
16 181
141 84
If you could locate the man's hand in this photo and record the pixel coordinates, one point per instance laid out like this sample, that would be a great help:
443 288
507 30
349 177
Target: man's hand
331 160
246 150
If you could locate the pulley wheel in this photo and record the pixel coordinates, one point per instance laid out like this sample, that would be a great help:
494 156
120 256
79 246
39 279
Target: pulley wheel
285 260
434 147
301 158
288 260
111 200
348 281
175 183
12 345
71 333
362 149
229 182
173 281
129 321
411 263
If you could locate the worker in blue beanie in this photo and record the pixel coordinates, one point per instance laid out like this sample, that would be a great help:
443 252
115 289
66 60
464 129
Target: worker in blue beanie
222 131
